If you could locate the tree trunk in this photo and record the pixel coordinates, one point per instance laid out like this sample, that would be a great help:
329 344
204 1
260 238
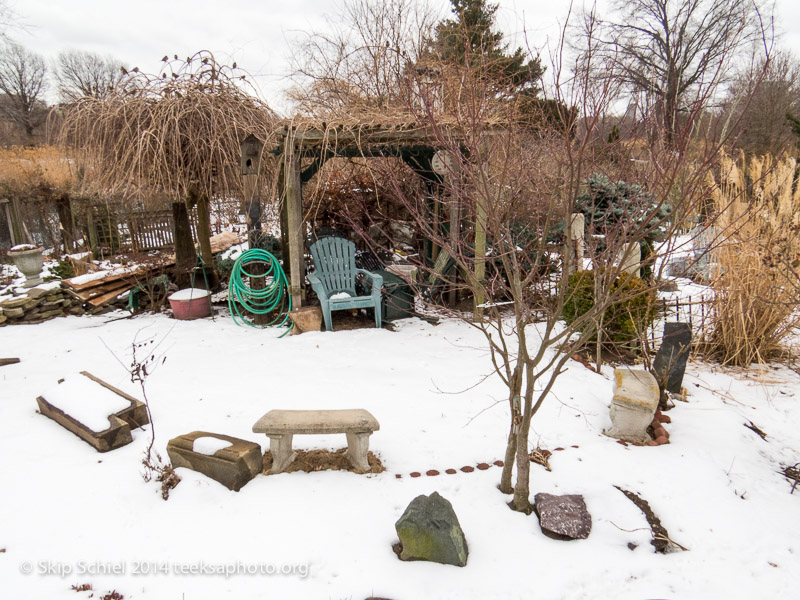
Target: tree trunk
204 237
64 210
184 246
508 464
522 487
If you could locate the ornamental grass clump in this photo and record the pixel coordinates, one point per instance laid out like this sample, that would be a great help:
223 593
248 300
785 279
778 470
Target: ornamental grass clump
757 274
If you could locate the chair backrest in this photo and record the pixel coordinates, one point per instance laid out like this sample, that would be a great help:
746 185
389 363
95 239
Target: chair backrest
335 264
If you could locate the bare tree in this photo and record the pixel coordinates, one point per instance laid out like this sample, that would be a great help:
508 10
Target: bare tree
363 63
22 80
767 97
80 74
676 52
503 195
8 20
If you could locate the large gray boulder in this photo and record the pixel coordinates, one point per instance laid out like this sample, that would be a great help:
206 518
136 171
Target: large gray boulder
429 530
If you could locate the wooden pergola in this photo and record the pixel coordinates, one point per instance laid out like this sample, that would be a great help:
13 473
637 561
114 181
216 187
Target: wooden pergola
304 149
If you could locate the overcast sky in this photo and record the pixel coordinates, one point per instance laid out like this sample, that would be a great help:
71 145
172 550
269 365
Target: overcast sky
258 35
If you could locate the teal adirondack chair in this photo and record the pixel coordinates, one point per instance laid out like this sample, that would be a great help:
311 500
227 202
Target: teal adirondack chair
334 279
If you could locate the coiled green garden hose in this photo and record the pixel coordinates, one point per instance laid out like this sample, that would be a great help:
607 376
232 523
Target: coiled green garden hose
243 298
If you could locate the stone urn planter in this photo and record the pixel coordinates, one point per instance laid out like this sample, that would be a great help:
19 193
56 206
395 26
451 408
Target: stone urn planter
28 259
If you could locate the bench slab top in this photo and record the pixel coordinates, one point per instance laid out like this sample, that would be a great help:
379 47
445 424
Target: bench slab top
354 420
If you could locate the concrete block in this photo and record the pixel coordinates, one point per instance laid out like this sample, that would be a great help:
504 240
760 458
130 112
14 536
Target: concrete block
232 466
634 404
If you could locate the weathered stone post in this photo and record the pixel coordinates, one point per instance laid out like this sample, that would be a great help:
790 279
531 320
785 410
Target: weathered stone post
575 242
630 258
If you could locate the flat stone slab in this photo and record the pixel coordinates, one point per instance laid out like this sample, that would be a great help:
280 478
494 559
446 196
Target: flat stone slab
352 420
233 465
118 432
563 517
282 425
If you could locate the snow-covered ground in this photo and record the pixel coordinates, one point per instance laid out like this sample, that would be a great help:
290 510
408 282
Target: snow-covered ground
71 516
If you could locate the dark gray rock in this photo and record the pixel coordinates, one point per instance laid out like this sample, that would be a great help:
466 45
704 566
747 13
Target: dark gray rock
670 362
563 517
429 530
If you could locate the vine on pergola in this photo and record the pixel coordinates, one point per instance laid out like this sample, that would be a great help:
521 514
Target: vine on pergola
177 132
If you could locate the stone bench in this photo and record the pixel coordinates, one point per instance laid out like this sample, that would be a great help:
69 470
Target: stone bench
232 465
281 426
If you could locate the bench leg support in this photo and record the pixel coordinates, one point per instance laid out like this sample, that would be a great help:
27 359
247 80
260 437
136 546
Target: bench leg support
280 446
357 447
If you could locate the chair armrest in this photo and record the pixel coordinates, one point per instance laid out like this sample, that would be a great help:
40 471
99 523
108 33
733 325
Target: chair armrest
375 279
317 286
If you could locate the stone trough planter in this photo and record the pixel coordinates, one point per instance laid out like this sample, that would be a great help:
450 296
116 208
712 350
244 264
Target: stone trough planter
232 465
118 432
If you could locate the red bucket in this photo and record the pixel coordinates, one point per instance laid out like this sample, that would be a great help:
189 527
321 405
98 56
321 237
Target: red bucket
191 303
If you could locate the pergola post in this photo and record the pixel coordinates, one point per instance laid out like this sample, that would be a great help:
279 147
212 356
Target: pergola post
293 205
481 218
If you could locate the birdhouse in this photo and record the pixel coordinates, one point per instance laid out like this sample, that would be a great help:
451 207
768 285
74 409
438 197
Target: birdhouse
251 155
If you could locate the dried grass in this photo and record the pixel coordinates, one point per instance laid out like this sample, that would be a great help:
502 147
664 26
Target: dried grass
32 172
754 308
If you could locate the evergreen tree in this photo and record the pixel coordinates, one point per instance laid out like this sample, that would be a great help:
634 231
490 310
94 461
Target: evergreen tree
468 39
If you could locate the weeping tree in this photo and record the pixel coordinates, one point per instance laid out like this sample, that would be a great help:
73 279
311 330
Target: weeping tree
177 132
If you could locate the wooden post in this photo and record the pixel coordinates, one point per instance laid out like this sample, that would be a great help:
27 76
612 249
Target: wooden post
480 255
204 235
19 233
90 225
455 228
253 212
293 201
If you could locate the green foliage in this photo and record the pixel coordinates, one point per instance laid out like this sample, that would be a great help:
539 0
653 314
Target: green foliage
624 320
62 270
469 39
540 114
606 203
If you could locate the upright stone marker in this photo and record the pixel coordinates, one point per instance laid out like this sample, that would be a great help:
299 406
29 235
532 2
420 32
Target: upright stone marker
634 404
630 258
670 361
575 241
429 530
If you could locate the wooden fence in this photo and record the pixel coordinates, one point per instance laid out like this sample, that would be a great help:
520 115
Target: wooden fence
134 231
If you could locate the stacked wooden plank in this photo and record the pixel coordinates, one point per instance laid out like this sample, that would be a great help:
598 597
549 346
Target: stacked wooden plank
103 287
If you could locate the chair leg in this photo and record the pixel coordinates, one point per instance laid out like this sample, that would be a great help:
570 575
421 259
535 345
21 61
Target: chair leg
378 316
326 313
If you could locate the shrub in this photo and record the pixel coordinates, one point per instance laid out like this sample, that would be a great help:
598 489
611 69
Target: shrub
607 203
625 319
